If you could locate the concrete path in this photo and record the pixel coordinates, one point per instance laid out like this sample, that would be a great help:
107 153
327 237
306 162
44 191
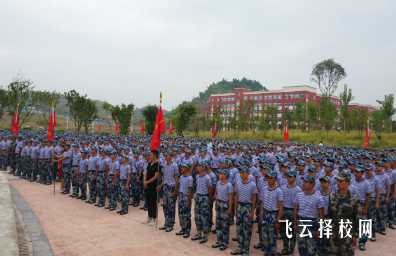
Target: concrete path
76 228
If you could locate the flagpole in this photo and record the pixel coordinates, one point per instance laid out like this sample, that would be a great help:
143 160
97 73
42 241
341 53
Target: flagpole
159 142
52 120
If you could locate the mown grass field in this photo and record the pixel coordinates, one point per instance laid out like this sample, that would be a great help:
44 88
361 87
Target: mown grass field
336 138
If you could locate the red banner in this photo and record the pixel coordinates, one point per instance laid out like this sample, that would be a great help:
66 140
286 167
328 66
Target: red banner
142 130
367 143
286 135
214 131
170 129
15 124
116 129
159 128
52 124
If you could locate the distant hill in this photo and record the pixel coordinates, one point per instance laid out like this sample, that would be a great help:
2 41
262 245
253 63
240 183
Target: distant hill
223 86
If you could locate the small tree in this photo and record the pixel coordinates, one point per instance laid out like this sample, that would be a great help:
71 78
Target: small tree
389 110
150 117
377 120
346 97
313 114
90 113
108 108
3 101
299 114
123 114
185 114
44 104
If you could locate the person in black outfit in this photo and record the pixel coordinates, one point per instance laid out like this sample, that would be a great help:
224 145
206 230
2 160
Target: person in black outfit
150 185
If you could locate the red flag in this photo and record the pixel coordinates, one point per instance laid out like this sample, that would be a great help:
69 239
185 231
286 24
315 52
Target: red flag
142 130
116 129
170 129
286 135
100 124
214 130
52 124
367 143
159 128
15 124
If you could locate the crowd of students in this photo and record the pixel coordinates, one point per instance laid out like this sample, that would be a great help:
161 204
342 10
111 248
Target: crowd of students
283 187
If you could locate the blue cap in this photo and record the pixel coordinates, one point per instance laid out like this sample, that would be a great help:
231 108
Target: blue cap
272 174
309 178
125 156
226 161
358 169
84 151
226 172
286 165
248 157
325 178
380 163
245 162
291 173
328 164
313 168
202 163
185 165
113 152
245 169
266 166
352 162
168 152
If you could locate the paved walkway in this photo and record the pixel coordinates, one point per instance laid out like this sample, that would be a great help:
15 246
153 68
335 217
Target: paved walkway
76 228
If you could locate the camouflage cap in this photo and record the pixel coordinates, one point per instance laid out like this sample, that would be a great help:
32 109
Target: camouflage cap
325 178
272 174
291 173
309 178
226 172
344 175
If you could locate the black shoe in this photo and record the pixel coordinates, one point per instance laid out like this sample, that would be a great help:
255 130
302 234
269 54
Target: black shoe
123 213
112 209
145 209
283 252
391 226
213 231
373 239
235 239
83 197
237 251
119 211
57 180
97 204
186 235
135 205
74 196
108 207
141 208
203 240
131 203
48 183
180 233
382 232
258 246
163 228
223 247
119 200
88 201
92 202
100 205
169 229
362 248
196 237
79 197
216 245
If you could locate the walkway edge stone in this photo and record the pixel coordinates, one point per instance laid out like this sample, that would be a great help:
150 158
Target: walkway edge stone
8 232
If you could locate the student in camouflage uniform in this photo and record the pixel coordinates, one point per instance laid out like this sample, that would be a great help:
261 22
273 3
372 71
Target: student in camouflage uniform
344 206
185 195
11 155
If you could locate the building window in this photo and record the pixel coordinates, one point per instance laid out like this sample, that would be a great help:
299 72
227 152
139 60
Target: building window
279 119
225 99
217 99
279 104
275 104
290 104
314 97
212 99
260 105
251 97
297 96
270 104
306 95
255 97
290 111
255 112
265 104
286 104
229 99
259 112
280 96
270 97
290 96
260 97
233 98
265 97
302 95
238 93
245 97
275 97
285 96
279 111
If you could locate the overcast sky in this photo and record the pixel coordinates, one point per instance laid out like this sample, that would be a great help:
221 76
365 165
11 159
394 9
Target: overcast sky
129 51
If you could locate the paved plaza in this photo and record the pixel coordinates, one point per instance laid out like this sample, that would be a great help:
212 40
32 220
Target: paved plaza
73 227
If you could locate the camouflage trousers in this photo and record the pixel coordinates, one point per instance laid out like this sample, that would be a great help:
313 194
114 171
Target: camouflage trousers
29 168
287 214
66 176
391 206
169 205
307 240
124 195
244 227
101 187
372 215
91 185
12 162
324 245
222 222
19 165
74 180
341 246
363 239
41 169
201 213
211 212
382 213
194 175
48 171
268 232
82 184
35 170
2 160
184 213
112 190
135 188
